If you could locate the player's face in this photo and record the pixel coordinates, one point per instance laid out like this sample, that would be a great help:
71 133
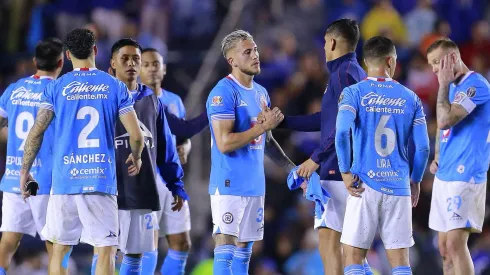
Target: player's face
153 70
127 62
434 58
246 57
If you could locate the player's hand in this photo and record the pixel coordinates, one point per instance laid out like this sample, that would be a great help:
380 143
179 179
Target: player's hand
24 178
178 203
353 184
260 118
446 70
134 165
433 167
307 168
183 150
304 187
415 191
272 118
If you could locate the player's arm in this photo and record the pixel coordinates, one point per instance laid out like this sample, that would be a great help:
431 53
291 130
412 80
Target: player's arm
168 160
448 114
35 139
304 123
184 148
136 140
227 141
4 115
422 146
274 151
185 129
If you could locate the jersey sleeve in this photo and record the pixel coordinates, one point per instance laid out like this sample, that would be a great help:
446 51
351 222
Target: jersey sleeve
4 100
421 142
181 107
125 100
47 98
345 118
221 104
419 116
473 94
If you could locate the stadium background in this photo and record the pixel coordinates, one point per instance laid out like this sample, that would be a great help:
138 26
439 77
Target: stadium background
289 34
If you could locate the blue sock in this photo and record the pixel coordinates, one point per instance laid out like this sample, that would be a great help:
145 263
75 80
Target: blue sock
94 264
174 263
130 266
149 263
354 269
2 271
401 270
223 257
241 260
367 268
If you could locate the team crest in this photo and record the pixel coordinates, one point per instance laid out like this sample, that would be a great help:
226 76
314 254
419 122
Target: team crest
261 99
227 218
471 92
216 100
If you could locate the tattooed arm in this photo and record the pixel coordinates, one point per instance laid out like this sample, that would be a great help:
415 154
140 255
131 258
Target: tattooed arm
274 151
448 114
35 139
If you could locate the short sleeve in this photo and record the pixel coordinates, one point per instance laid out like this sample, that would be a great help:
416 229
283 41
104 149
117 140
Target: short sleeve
471 95
47 98
4 100
221 104
347 101
419 117
125 100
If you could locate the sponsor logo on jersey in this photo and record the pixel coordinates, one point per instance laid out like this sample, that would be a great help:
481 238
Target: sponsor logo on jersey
123 140
76 90
390 175
375 103
381 85
216 100
25 97
88 173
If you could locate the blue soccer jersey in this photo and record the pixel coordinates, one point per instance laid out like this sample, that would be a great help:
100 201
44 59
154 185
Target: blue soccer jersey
241 172
383 115
19 104
86 104
464 149
173 103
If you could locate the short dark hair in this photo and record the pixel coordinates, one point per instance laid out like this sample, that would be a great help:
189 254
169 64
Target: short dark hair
378 47
48 52
80 43
348 29
121 43
149 50
444 43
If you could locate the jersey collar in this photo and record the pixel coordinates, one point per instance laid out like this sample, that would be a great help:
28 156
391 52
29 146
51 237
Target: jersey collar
381 79
141 92
230 76
334 65
455 83
41 77
84 69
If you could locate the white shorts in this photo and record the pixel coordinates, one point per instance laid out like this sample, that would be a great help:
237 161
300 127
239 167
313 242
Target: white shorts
89 218
457 204
24 217
171 222
242 217
136 231
391 215
333 217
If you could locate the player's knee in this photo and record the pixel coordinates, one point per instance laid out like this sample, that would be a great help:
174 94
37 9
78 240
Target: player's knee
183 244
223 239
454 245
442 248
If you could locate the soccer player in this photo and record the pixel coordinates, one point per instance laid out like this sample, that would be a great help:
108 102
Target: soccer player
341 40
237 181
18 107
138 195
462 155
174 225
382 114
84 105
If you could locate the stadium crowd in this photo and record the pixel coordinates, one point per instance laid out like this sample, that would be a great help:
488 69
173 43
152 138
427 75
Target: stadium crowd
289 34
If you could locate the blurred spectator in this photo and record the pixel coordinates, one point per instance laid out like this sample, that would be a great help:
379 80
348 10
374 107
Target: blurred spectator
422 80
441 29
420 22
478 46
306 261
109 17
155 18
384 20
353 9
71 14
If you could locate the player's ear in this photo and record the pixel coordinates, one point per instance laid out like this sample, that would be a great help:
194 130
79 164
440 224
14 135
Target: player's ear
95 50
365 62
34 61
164 69
68 54
333 42
113 63
231 62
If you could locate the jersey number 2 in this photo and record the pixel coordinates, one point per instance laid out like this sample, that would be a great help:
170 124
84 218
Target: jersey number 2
390 135
83 141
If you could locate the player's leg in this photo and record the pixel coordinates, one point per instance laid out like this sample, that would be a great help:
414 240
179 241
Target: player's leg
62 229
330 227
251 230
176 226
8 246
359 229
457 249
437 222
99 218
396 231
227 212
